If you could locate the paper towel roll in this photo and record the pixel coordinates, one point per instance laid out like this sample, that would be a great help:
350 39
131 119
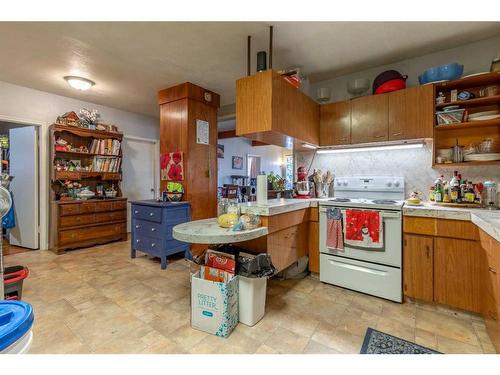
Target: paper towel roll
261 189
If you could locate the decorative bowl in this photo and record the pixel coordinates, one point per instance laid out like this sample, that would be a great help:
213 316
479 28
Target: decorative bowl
431 75
85 194
450 71
110 193
358 86
174 197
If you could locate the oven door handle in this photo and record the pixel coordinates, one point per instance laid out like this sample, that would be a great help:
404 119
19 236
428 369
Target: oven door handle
384 215
358 268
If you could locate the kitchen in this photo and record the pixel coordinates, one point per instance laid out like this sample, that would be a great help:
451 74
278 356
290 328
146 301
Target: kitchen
379 223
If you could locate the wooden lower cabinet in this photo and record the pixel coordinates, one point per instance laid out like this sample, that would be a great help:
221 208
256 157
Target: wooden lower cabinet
86 223
314 246
457 273
418 264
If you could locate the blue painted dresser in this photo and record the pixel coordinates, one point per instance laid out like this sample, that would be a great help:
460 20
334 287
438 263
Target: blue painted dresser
152 224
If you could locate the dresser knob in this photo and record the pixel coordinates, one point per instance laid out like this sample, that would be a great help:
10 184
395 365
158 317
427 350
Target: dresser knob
137 226
151 214
153 244
153 229
136 212
137 241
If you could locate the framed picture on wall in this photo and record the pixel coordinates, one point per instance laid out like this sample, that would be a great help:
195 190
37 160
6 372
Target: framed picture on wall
237 162
220 151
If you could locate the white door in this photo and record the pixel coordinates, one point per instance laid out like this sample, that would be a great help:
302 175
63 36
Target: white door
140 158
24 187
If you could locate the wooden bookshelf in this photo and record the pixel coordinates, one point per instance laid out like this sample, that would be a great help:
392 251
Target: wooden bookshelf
81 223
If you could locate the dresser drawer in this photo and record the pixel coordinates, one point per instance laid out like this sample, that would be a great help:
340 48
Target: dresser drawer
147 213
103 206
86 208
69 209
102 217
119 205
89 233
153 246
177 215
75 220
148 228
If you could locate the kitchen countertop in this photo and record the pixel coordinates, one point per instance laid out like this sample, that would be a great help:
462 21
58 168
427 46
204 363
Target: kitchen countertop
487 220
279 206
207 231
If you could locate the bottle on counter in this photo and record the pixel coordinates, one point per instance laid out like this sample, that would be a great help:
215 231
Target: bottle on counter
438 190
454 188
432 190
446 193
462 189
469 195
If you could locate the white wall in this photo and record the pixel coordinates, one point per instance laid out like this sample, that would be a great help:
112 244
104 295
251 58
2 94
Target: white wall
476 57
25 105
412 164
271 158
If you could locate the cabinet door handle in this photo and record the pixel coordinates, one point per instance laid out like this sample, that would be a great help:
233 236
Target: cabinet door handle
492 270
379 136
396 133
428 251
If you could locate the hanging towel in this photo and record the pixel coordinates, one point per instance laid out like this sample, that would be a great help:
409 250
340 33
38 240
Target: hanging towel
363 228
334 232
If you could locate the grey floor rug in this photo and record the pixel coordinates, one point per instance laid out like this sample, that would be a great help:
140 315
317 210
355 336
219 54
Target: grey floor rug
377 342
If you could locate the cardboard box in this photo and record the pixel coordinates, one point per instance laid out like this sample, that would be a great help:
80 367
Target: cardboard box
214 305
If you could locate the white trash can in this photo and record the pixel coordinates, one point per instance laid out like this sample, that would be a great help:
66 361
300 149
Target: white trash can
252 299
16 322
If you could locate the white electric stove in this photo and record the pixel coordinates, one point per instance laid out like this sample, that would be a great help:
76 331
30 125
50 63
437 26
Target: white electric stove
373 271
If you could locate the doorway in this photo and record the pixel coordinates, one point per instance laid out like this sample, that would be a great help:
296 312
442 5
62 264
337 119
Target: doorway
140 166
20 160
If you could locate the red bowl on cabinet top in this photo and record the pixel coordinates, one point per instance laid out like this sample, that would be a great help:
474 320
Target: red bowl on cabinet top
391 85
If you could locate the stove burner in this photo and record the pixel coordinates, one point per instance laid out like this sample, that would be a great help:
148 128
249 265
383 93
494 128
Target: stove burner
383 201
339 200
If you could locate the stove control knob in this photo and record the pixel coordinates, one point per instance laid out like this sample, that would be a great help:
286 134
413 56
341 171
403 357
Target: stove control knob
345 183
388 183
396 183
339 182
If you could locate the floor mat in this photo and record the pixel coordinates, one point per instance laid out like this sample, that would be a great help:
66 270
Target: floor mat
377 342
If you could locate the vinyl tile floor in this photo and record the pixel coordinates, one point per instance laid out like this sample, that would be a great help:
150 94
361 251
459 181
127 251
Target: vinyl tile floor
99 300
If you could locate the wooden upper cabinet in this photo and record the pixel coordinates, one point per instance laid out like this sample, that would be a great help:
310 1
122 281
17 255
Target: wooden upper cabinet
270 110
335 124
411 113
418 269
369 119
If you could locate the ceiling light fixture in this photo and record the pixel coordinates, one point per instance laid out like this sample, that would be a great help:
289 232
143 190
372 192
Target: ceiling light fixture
374 148
79 83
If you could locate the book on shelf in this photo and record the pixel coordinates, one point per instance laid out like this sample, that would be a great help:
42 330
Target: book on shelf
106 164
105 147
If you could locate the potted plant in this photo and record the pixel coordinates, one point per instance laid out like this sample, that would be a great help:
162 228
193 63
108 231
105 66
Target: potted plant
175 190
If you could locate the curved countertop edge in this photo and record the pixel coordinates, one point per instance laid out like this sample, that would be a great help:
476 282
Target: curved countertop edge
487 220
207 231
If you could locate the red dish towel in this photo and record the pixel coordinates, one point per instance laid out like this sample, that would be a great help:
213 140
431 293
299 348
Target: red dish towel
334 232
363 229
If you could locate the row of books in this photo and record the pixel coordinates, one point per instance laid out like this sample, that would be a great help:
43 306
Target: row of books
106 164
105 146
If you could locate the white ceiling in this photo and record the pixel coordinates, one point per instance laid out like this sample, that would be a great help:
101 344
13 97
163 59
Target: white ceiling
131 62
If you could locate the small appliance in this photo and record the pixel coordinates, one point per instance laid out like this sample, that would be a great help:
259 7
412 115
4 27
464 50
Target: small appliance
302 186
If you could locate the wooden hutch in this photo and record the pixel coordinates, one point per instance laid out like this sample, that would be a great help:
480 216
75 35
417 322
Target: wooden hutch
95 160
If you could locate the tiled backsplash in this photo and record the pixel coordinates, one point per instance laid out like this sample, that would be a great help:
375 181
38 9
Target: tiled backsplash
415 165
